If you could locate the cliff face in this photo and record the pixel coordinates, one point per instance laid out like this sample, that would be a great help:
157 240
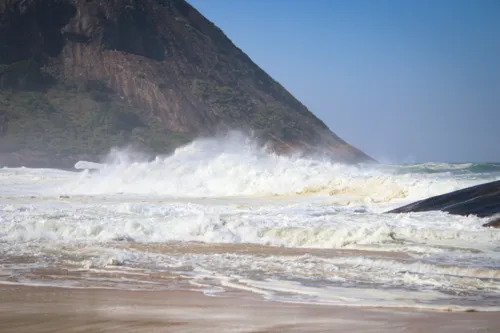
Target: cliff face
79 76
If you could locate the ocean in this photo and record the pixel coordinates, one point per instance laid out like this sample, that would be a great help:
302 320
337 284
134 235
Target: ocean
223 215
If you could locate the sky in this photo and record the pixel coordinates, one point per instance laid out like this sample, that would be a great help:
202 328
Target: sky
404 81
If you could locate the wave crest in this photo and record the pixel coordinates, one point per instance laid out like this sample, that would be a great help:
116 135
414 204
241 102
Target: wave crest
235 166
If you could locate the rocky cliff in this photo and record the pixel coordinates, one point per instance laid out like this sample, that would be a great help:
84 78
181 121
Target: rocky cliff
80 76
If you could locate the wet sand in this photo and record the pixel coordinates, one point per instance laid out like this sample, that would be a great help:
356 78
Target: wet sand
42 309
176 248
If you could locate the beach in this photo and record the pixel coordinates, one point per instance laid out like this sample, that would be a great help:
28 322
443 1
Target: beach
225 237
42 309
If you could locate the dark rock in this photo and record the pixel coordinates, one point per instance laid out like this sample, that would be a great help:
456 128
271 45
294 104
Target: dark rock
164 73
24 74
3 122
481 200
31 28
494 223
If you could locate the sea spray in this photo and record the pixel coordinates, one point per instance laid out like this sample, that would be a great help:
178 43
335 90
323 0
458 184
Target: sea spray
225 214
235 166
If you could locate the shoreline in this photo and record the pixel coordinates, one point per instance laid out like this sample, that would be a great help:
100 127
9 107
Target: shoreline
60 309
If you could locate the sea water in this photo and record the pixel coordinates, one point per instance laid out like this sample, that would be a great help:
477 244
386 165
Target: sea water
221 215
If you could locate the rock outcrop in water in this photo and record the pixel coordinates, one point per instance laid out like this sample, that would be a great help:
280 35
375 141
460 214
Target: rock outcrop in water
481 200
80 76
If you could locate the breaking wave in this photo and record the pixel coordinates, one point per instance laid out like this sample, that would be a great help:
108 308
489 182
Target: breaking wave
228 193
234 166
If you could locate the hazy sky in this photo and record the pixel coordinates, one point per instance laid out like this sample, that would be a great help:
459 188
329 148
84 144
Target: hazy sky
402 80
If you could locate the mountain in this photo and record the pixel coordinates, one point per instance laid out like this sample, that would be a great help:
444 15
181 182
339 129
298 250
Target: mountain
80 76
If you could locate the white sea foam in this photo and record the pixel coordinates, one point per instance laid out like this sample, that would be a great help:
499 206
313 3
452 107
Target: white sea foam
230 191
236 167
292 225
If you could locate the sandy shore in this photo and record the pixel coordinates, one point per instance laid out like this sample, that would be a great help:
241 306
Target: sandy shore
41 309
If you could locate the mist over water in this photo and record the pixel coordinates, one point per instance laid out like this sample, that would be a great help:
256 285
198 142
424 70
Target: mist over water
235 166
282 222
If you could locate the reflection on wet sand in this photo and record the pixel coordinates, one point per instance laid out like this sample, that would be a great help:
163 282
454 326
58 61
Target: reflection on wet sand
40 309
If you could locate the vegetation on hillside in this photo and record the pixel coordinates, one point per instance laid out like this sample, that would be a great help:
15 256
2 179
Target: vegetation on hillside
47 113
71 118
267 118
